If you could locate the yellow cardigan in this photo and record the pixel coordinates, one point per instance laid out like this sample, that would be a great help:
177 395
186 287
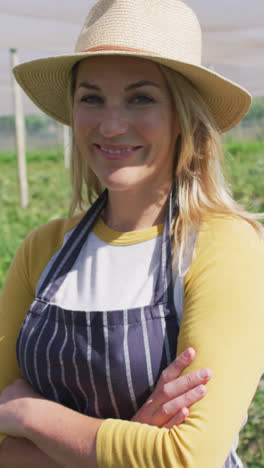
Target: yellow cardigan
223 319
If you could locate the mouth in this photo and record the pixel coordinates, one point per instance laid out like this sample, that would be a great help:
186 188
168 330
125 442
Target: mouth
117 151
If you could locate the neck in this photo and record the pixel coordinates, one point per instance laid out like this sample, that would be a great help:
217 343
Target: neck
133 210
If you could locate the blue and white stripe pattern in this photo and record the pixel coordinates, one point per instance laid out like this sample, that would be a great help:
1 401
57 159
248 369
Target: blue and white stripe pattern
103 364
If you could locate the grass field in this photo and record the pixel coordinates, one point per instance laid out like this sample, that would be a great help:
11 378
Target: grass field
50 194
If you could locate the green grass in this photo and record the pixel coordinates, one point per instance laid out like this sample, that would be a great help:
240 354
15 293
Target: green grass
49 192
245 171
251 447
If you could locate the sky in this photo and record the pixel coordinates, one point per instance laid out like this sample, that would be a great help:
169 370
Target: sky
233 34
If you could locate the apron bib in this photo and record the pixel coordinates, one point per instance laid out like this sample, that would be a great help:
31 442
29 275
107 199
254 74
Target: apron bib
103 364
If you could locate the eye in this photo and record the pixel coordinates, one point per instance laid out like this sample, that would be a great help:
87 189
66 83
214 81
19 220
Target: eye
142 99
92 99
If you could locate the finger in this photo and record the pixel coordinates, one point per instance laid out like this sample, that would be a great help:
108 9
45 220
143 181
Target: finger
168 410
175 369
180 386
178 419
183 384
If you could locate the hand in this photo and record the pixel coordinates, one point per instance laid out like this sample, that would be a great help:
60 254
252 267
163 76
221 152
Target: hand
14 401
168 405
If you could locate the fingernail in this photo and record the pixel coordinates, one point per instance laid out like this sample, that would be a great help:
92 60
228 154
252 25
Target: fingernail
188 353
204 373
201 390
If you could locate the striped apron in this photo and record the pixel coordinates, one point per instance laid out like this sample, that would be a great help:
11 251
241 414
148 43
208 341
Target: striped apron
103 364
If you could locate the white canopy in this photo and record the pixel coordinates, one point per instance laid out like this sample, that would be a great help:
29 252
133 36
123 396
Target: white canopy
233 37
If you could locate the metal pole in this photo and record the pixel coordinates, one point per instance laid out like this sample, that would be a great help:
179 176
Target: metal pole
66 145
20 136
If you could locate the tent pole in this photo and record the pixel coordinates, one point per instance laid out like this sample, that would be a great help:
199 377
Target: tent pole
66 145
20 136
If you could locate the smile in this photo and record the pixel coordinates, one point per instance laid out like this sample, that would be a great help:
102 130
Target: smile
117 151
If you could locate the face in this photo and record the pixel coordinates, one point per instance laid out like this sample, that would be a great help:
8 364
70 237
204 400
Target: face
124 122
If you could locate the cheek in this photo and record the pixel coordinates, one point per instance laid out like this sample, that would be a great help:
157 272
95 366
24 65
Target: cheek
155 127
83 122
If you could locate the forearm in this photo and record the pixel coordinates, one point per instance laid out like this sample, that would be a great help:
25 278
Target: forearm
68 437
22 453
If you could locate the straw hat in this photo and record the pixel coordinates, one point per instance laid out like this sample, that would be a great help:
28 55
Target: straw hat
165 31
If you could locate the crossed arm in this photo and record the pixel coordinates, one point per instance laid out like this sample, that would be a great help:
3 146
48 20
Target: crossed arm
49 440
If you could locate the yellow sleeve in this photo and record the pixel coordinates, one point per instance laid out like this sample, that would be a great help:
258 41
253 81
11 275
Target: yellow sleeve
19 290
223 320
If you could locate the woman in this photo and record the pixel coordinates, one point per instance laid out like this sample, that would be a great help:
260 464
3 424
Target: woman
163 260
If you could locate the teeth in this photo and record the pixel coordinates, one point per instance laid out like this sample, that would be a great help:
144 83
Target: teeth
116 151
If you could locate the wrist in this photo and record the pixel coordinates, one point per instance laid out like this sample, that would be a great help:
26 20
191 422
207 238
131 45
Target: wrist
37 414
53 428
22 418
34 414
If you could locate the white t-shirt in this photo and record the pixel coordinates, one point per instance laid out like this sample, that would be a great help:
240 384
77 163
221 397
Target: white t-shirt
115 271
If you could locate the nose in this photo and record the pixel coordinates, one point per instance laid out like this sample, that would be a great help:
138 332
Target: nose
113 122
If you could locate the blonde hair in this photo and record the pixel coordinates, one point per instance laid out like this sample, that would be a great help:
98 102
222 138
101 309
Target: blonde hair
201 188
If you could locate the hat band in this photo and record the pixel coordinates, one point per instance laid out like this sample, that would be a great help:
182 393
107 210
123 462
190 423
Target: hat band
120 48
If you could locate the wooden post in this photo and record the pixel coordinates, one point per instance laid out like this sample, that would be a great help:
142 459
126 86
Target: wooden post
66 145
20 136
59 137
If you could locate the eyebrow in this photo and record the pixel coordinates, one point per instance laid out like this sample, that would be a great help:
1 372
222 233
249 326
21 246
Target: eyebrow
138 84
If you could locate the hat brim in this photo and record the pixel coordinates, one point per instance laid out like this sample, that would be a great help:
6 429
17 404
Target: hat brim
46 82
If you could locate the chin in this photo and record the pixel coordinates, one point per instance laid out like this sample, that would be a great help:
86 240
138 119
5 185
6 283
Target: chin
117 186
120 180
